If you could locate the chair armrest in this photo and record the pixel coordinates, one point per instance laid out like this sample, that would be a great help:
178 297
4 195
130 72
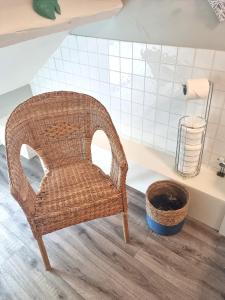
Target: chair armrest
25 195
118 175
119 164
19 186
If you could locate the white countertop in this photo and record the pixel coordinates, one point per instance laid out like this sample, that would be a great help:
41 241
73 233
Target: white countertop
207 181
18 20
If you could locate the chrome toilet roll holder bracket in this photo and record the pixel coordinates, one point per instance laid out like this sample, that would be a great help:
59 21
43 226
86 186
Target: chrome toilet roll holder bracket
209 99
221 163
181 129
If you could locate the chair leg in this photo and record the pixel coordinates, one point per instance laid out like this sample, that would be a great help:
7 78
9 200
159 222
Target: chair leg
125 227
44 254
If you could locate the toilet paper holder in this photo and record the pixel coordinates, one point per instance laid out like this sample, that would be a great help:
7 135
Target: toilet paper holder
194 171
209 99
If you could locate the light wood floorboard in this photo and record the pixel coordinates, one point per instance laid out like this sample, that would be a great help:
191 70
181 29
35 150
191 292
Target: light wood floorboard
91 260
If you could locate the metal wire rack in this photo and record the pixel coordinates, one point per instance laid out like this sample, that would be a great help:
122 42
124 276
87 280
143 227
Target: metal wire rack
191 141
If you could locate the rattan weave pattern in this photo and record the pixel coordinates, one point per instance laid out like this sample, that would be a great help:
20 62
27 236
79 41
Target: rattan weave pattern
60 126
167 187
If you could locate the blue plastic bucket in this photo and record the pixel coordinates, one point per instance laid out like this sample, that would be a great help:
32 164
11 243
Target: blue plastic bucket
163 229
166 222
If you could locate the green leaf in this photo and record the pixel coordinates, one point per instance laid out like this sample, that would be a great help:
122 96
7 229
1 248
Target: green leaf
58 9
47 8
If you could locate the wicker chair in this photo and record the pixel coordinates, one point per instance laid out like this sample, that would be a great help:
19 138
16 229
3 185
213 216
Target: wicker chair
59 126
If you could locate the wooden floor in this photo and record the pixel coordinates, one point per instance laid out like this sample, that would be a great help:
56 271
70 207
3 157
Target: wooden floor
91 260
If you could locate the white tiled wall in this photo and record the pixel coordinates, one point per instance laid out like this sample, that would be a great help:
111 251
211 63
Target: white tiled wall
141 86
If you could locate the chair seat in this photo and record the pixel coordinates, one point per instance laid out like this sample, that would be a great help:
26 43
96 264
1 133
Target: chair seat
72 194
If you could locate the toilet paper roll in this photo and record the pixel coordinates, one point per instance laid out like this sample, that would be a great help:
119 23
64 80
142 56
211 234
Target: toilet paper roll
193 122
191 136
187 170
193 165
189 159
197 88
192 148
192 141
189 155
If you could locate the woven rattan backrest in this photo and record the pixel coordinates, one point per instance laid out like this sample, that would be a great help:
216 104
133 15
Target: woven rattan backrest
58 125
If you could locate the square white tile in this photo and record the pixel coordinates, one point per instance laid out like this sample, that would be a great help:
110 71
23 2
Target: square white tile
204 58
220 133
218 78
125 106
138 96
219 61
215 115
126 93
169 54
103 61
104 75
126 65
160 129
139 50
104 88
115 90
103 46
114 63
92 45
148 125
151 85
93 59
126 80
218 99
222 117
83 58
149 113
171 146
126 131
114 77
160 142
153 53
162 117
148 138
178 91
182 74
150 99
178 107
165 88
174 119
115 104
163 103
137 109
172 133
167 72
114 48
138 82
136 134
211 130
126 119
82 43
185 56
136 121
138 67
200 73
94 73
126 49
152 69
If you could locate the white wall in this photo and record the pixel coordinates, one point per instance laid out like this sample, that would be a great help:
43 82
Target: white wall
20 62
190 23
8 102
19 22
11 99
141 86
